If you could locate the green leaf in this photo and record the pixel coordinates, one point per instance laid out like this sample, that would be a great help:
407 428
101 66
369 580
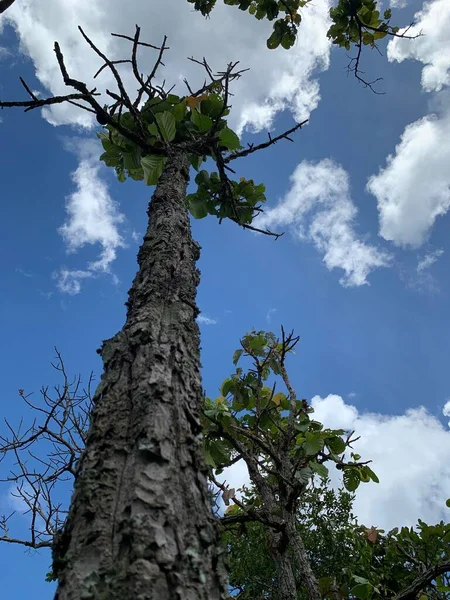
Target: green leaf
226 386
447 503
273 41
132 160
197 206
209 459
371 474
167 125
153 167
202 178
219 452
120 173
379 35
236 356
179 111
202 122
319 468
367 38
314 443
387 13
196 160
212 106
304 475
351 480
110 160
229 139
362 590
335 444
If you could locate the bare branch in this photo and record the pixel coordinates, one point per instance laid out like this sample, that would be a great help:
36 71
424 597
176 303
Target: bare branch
58 431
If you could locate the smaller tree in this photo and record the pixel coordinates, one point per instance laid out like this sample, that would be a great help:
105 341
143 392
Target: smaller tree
286 538
283 449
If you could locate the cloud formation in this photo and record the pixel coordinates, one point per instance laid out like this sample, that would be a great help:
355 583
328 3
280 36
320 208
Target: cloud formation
411 456
289 81
318 208
205 320
428 260
413 189
432 48
93 218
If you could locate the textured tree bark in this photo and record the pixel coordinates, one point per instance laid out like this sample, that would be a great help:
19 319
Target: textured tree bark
140 525
301 559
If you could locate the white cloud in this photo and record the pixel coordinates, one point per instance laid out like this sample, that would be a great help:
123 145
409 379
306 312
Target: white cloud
414 477
205 320
93 218
413 189
136 236
318 207
398 3
432 49
229 35
428 260
4 53
411 456
446 410
271 312
22 272
69 282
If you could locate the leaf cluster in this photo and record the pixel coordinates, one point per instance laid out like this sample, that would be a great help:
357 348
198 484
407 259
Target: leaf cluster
273 431
359 22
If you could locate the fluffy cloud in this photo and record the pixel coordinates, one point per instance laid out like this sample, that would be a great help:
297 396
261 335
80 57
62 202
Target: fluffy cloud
446 410
432 49
318 208
229 35
93 218
413 189
205 320
411 456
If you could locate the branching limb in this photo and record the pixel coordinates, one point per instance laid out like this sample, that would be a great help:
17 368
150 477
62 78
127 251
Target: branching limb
58 432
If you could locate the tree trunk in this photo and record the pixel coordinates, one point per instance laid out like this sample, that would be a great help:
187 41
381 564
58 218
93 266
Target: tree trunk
140 525
301 559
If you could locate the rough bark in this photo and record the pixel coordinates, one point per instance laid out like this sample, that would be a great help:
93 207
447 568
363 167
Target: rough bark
140 524
301 559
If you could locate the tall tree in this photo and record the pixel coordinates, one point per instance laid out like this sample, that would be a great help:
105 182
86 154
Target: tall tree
140 523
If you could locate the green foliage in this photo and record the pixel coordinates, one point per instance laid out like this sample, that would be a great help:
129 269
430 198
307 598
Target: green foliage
244 198
249 410
348 559
354 21
326 525
198 123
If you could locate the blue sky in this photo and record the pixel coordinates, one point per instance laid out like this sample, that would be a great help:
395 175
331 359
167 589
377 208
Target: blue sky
361 275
